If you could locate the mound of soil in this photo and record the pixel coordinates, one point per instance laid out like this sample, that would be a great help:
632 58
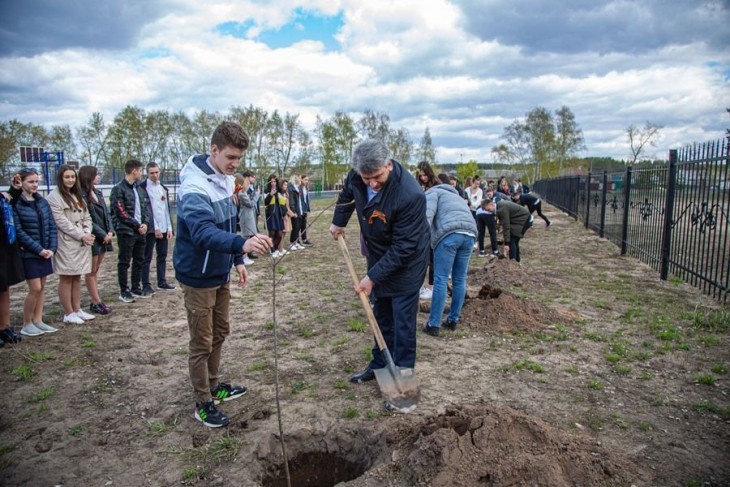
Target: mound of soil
489 305
481 445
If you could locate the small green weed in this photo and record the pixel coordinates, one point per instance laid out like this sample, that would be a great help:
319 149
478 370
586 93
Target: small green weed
705 406
191 474
644 426
298 386
340 384
42 356
645 375
356 325
594 384
572 369
593 336
269 325
75 430
716 321
307 332
88 340
719 369
24 372
260 364
709 340
157 428
706 379
350 413
340 342
612 357
623 369
224 448
529 364
42 395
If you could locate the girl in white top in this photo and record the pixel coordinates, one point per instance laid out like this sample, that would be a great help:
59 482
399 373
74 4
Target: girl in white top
474 195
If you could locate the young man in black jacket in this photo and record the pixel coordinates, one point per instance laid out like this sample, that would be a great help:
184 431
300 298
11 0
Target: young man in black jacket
391 211
131 218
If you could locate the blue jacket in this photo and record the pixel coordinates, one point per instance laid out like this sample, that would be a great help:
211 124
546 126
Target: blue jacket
394 227
207 245
36 229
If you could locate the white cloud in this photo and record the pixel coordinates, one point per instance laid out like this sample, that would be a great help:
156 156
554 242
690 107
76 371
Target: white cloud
425 63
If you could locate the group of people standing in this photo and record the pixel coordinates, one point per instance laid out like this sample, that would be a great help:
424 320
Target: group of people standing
70 231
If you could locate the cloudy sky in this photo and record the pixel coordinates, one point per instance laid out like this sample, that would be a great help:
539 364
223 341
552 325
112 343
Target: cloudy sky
463 68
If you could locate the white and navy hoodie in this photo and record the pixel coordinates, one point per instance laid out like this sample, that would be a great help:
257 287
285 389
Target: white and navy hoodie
207 245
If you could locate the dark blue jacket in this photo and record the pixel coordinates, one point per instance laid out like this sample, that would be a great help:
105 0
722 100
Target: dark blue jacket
397 236
35 227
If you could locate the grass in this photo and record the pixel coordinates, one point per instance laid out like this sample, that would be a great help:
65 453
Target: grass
340 384
706 379
157 428
350 413
88 340
719 369
356 325
298 386
24 372
716 321
340 342
705 406
42 356
709 340
224 448
623 369
191 474
307 332
530 365
259 365
42 395
75 430
644 426
594 384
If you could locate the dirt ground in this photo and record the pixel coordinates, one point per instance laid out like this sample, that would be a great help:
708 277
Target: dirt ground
579 367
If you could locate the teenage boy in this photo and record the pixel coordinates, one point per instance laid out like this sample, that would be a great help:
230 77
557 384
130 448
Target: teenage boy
206 248
159 232
306 208
130 218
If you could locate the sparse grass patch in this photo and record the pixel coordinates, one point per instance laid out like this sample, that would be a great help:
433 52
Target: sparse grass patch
716 321
260 364
705 406
88 340
356 325
706 379
179 351
646 375
594 384
340 384
709 340
572 369
42 356
192 474
298 386
269 325
340 342
719 369
612 357
305 332
644 426
530 365
157 428
350 413
24 372
224 448
75 430
4 457
623 369
593 336
42 395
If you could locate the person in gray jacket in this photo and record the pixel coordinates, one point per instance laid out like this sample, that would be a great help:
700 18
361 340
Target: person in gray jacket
453 233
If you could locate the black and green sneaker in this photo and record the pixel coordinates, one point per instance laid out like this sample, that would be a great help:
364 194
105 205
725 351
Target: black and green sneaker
209 415
225 392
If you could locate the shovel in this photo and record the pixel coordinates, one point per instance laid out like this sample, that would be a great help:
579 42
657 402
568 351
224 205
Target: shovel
398 384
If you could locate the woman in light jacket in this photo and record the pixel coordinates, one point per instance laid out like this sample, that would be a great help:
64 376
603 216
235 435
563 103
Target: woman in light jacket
73 257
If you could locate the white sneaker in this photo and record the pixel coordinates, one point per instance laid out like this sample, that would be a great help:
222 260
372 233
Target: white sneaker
283 252
425 293
85 316
300 246
247 261
30 330
45 328
275 254
293 247
72 319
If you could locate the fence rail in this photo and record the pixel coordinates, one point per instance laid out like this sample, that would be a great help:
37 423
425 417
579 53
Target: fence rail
676 217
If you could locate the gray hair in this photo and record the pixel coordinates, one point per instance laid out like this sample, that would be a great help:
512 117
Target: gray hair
369 156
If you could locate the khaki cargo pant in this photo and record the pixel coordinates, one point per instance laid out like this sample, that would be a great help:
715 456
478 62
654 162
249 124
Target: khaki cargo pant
207 310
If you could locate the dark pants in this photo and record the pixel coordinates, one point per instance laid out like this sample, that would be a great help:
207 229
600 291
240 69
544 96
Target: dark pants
131 249
303 227
158 245
538 209
430 266
397 317
514 242
487 221
295 224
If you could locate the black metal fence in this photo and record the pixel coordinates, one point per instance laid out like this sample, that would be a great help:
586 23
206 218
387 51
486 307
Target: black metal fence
675 217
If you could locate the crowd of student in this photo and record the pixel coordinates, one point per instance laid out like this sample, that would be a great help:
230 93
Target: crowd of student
69 232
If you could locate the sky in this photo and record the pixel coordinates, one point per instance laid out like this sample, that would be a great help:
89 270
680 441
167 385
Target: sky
464 69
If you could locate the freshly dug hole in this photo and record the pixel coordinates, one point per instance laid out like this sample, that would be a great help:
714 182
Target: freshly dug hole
324 460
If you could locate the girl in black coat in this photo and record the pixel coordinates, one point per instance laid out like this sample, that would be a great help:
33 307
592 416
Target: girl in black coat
37 237
11 271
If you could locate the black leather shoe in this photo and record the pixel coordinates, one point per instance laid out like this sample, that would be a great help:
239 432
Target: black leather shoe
449 325
364 376
430 330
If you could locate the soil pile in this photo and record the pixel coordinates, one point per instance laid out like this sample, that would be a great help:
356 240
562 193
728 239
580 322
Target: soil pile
480 445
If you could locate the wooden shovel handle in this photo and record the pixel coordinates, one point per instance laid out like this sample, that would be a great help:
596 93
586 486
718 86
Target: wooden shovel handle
363 299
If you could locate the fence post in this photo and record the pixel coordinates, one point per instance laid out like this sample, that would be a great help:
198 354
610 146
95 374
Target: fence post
603 203
588 199
627 205
668 214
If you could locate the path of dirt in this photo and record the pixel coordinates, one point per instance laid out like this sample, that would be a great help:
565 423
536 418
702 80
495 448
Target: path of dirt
556 377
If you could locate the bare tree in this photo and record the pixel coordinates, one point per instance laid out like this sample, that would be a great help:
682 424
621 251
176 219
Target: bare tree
640 138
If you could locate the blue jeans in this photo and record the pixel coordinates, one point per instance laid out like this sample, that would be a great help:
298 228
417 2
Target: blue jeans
451 255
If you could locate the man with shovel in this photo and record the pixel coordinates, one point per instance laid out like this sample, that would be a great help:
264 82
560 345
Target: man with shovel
391 211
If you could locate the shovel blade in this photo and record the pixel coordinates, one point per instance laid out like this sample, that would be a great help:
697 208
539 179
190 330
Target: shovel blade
399 387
